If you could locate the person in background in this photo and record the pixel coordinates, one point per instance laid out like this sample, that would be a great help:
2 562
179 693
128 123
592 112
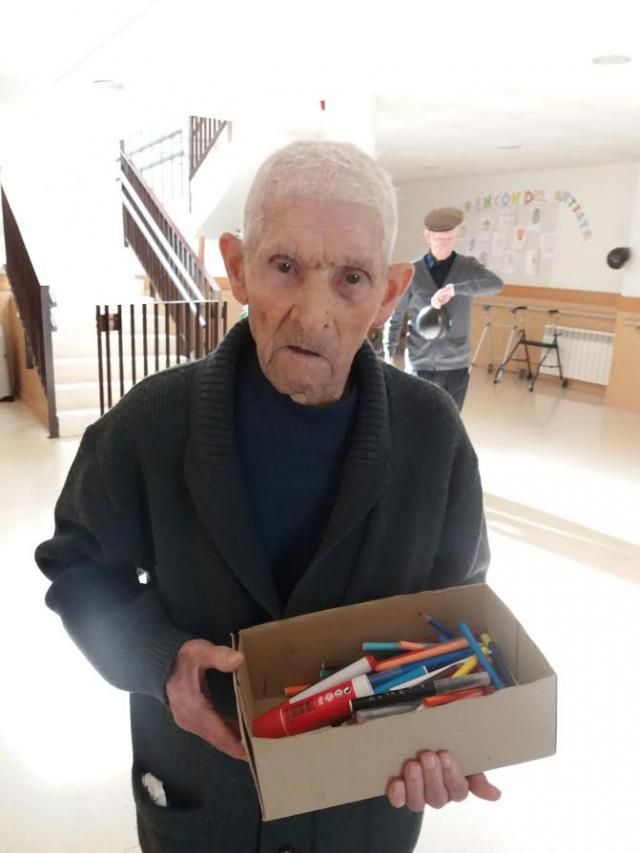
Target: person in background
442 277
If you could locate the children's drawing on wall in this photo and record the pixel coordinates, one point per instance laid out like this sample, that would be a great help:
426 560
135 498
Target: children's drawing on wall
510 263
514 233
507 219
535 217
547 246
498 243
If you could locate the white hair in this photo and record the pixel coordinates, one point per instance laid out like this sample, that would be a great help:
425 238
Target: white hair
325 172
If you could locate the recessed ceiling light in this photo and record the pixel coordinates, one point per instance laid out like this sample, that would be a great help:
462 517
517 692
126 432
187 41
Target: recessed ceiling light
109 84
509 147
613 59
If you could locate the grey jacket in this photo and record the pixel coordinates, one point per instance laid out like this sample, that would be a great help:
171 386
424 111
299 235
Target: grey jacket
453 351
157 486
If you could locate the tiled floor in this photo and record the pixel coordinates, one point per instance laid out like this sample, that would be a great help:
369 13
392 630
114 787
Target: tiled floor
562 482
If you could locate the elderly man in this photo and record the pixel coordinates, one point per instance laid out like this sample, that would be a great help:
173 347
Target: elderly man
284 473
442 277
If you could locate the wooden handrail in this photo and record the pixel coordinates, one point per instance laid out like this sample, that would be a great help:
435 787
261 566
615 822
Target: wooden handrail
34 303
203 135
179 255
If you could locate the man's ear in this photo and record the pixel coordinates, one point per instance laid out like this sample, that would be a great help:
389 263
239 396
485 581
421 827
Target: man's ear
399 278
232 255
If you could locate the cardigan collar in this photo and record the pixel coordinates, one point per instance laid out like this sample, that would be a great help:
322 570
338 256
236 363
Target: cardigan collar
214 474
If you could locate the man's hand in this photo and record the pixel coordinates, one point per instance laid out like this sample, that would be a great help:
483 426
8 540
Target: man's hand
442 296
187 693
435 779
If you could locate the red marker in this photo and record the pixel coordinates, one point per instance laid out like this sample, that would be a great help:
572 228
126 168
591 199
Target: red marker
321 709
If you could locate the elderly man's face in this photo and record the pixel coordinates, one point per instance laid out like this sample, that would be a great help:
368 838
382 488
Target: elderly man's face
315 283
441 243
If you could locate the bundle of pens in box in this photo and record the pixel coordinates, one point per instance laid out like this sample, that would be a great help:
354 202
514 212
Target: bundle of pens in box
392 678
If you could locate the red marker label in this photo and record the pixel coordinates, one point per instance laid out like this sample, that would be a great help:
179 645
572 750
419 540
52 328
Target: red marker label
322 709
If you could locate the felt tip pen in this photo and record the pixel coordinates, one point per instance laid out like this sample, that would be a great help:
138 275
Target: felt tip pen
482 658
414 657
322 709
362 666
498 661
390 711
399 646
443 672
404 679
448 698
429 688
294 689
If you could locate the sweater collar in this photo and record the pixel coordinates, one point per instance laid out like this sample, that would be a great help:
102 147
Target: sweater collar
214 474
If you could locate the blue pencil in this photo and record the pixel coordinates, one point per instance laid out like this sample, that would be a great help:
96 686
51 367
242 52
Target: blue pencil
482 659
445 631
409 675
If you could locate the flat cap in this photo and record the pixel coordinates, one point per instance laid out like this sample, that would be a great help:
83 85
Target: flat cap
443 219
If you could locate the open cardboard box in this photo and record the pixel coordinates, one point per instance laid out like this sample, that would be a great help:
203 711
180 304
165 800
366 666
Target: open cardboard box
332 766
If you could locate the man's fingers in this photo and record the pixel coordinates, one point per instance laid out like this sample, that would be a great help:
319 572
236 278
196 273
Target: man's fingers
480 786
201 654
454 781
216 733
414 786
225 659
397 793
435 793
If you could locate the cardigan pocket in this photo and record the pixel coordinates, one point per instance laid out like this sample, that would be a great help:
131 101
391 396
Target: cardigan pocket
167 829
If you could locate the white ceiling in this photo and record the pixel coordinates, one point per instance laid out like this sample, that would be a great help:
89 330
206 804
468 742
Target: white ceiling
451 85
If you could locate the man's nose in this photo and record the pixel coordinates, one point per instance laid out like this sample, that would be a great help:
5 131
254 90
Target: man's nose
312 307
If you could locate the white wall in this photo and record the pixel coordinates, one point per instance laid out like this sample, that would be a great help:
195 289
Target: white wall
607 195
59 173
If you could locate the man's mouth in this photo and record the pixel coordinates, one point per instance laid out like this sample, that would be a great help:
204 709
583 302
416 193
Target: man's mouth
303 351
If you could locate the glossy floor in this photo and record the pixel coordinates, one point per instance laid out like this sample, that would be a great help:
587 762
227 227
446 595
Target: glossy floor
562 482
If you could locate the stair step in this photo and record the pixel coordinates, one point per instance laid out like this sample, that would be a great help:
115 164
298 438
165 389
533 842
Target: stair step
73 422
83 344
85 368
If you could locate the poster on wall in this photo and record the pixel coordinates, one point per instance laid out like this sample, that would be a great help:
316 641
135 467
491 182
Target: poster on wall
518 231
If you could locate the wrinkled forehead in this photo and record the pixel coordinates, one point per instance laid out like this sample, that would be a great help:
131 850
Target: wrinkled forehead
323 233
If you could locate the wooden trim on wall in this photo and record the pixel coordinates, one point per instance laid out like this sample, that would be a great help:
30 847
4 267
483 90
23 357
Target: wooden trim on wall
628 303
558 294
25 381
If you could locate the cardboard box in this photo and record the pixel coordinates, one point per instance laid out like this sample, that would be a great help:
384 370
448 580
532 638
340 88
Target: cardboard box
332 766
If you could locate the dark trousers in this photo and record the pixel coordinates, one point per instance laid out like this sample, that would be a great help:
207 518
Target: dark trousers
455 382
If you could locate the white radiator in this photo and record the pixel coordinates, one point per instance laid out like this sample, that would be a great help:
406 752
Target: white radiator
585 354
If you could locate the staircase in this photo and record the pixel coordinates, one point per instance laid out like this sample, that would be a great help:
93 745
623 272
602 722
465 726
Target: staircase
76 367
172 313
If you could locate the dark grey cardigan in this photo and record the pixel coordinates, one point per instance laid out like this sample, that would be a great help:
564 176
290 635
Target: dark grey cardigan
453 350
157 486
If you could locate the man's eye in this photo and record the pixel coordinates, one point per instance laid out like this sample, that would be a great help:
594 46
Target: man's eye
284 266
353 277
